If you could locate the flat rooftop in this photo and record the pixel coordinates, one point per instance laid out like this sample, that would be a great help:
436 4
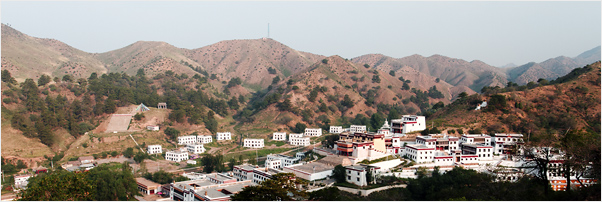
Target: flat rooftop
309 167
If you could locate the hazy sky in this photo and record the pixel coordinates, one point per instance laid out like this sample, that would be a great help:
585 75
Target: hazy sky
496 33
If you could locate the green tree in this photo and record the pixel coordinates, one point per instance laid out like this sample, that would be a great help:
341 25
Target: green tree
366 66
299 128
172 132
128 153
67 78
281 187
7 78
463 95
339 173
375 79
325 61
392 73
59 186
43 80
113 184
275 80
138 116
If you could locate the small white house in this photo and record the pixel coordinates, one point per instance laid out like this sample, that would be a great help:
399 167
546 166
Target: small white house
152 128
176 156
22 180
205 139
357 128
188 139
313 132
298 140
336 129
356 174
195 148
420 153
154 149
253 143
223 136
279 136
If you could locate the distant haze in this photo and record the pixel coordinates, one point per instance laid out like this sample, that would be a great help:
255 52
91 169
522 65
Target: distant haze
497 33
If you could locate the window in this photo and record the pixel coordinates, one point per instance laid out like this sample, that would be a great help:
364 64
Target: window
358 179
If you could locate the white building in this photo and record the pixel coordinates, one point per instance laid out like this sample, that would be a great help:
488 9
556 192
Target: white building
188 139
253 143
152 128
176 156
310 171
273 164
506 143
284 160
313 132
336 129
262 174
298 139
476 139
356 174
21 181
223 136
154 149
408 123
205 139
195 148
357 128
420 153
279 136
243 172
484 152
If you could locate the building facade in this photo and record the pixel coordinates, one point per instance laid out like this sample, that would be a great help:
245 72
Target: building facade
279 136
357 128
205 139
243 172
408 123
356 174
188 139
298 139
253 143
313 132
335 129
154 149
223 136
195 148
176 156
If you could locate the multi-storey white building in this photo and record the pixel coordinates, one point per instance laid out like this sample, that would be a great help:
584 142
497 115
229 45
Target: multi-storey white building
506 143
195 148
253 143
484 152
313 132
273 164
356 174
408 123
357 128
284 160
176 156
223 136
243 172
420 153
205 139
336 129
476 139
188 139
154 149
298 139
262 174
279 136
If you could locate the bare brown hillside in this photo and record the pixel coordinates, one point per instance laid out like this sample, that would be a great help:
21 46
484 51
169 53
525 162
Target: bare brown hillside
570 105
30 57
456 72
250 60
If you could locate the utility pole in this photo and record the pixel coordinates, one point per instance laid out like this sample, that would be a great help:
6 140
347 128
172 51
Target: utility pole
268 30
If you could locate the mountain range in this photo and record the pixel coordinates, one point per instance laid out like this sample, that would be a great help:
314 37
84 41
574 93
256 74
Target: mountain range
258 61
